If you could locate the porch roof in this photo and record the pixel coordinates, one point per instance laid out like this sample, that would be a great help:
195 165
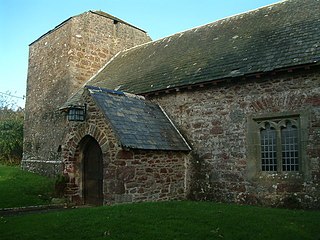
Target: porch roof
138 123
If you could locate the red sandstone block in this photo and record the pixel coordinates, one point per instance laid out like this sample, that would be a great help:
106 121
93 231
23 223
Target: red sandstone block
125 173
197 125
125 154
134 162
142 178
216 130
110 173
120 163
314 101
163 170
149 170
289 187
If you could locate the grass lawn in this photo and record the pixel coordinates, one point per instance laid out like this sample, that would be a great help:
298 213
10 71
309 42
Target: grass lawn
19 188
165 220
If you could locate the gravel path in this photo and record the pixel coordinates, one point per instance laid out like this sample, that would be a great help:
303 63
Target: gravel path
31 210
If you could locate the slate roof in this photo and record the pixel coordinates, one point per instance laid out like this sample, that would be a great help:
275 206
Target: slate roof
138 123
278 36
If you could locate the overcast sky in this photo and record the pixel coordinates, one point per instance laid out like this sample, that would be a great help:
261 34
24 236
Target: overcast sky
23 21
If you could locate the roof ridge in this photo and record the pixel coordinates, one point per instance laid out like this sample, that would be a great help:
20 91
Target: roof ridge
104 90
110 16
115 92
97 12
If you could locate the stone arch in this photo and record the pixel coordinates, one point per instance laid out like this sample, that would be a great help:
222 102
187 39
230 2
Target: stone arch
73 154
284 101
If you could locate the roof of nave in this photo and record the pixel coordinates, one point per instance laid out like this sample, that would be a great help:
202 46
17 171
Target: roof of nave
274 37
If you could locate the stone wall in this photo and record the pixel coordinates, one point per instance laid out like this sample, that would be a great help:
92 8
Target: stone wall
59 63
129 175
215 120
145 176
94 41
47 89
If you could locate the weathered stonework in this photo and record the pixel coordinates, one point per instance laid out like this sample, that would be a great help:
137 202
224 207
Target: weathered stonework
215 121
59 64
128 175
220 104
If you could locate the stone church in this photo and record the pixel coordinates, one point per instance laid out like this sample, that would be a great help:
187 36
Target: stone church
228 111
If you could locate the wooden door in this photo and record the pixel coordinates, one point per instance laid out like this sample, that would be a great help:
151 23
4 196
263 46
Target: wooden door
93 173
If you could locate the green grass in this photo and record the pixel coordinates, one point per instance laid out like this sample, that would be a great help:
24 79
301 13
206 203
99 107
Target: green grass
20 188
165 220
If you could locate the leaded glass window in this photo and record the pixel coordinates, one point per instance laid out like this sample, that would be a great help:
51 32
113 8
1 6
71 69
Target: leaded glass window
268 149
279 145
290 151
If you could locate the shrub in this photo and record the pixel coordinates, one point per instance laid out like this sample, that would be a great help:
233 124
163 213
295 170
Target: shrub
60 185
11 131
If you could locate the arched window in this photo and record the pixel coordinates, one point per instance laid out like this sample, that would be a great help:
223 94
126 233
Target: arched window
277 143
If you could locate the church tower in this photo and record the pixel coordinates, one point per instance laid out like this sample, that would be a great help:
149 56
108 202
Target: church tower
60 62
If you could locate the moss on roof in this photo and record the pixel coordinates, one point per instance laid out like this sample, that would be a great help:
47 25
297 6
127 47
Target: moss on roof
274 37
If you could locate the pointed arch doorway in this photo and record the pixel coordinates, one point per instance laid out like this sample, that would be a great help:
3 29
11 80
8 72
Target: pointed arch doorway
92 171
